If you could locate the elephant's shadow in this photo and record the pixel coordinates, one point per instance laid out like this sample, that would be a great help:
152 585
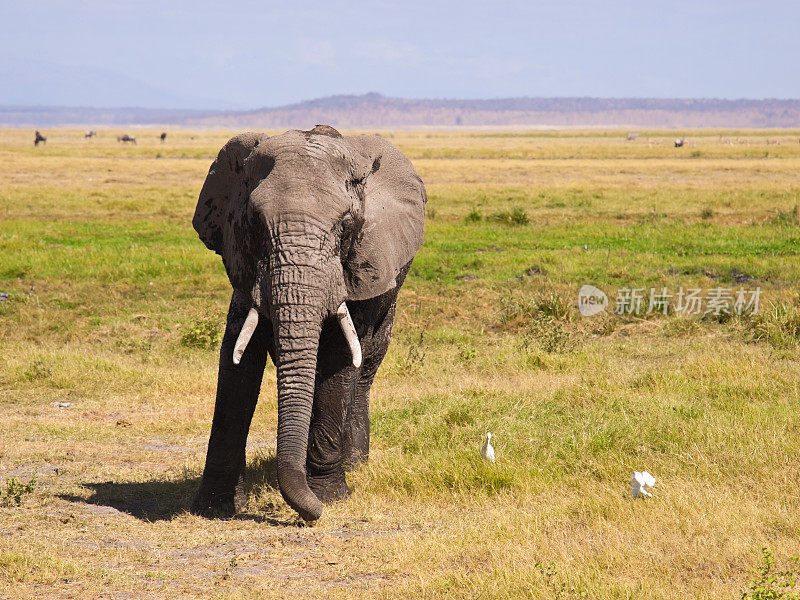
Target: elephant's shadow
164 499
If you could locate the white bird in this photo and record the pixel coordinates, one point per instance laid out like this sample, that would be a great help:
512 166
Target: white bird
487 452
640 482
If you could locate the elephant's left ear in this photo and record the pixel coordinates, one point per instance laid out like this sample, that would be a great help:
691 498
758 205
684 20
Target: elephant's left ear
394 219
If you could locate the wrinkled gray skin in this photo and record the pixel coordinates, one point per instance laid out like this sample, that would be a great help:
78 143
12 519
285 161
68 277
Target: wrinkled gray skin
305 221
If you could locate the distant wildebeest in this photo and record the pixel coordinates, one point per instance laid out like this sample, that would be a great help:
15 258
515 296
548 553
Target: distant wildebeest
632 135
39 138
679 143
163 136
126 138
89 134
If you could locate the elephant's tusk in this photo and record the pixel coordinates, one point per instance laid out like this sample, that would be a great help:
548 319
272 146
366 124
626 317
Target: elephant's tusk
349 330
245 334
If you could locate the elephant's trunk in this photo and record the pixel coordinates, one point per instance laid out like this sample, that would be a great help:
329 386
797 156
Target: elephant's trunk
296 346
297 294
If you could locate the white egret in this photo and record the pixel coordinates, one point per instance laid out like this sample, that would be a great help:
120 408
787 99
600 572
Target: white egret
487 452
640 482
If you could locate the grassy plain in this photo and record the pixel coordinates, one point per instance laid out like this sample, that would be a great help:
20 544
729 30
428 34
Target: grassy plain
105 276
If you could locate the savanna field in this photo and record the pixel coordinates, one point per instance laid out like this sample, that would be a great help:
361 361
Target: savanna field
108 366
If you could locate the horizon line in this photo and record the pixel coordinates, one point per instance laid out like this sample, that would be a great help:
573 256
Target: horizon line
376 95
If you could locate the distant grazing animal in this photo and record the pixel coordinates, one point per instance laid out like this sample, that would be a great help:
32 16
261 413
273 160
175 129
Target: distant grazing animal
90 134
126 138
39 138
679 143
163 136
632 135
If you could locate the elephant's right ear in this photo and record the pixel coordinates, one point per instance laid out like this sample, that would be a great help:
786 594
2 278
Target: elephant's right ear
223 183
223 212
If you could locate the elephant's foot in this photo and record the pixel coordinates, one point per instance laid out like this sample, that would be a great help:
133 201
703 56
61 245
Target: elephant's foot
213 506
214 503
328 489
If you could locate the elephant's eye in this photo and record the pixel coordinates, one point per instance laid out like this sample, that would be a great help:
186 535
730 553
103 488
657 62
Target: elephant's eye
347 223
348 231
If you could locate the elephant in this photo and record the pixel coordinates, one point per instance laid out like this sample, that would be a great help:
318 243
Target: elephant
317 232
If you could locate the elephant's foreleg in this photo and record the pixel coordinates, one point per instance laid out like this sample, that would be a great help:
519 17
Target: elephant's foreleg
356 426
237 394
334 390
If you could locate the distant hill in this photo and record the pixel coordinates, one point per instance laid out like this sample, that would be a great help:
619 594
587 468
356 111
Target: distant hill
374 111
64 116
30 81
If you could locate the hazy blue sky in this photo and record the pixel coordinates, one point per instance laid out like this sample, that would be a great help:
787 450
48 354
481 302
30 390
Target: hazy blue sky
248 54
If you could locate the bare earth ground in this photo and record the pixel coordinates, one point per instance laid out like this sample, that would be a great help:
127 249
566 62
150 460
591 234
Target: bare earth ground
106 403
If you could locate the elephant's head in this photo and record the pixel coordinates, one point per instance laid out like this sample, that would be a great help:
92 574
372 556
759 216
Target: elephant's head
305 221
